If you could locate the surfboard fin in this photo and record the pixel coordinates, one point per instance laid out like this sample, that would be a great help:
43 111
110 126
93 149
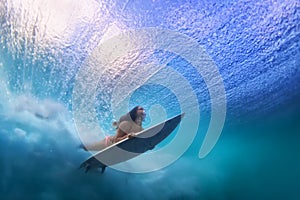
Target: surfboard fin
103 169
87 168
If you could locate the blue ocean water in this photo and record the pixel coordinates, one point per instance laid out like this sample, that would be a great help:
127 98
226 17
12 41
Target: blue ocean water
46 45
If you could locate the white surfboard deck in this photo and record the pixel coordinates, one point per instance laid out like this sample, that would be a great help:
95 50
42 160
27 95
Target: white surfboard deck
132 147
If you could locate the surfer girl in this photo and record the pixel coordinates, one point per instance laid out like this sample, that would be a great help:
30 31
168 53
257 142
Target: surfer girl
130 123
126 127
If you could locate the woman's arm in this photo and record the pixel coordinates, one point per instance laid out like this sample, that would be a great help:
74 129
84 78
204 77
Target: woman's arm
121 135
123 131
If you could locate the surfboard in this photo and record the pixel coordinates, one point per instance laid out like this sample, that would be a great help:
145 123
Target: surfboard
132 147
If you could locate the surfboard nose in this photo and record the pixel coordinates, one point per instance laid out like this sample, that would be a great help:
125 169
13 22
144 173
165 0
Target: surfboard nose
182 115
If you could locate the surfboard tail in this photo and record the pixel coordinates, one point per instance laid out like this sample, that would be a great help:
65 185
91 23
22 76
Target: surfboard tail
86 166
89 167
92 164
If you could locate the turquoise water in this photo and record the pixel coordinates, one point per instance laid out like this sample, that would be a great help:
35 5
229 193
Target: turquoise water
254 45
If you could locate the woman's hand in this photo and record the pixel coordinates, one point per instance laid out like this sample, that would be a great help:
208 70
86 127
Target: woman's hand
130 135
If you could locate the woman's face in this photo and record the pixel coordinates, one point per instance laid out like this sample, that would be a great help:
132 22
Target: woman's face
141 113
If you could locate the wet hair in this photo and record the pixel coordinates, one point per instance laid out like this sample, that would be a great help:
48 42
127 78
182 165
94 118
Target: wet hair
133 113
